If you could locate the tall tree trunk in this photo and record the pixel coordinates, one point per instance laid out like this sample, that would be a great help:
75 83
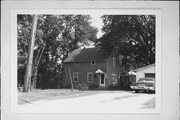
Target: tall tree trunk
36 65
71 82
27 79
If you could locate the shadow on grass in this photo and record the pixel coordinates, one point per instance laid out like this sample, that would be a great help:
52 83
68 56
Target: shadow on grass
51 94
120 98
123 97
54 94
150 104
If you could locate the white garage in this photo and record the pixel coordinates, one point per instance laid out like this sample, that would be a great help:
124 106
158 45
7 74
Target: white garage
145 72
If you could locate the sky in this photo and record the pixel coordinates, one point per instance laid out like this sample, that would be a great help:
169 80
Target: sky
97 22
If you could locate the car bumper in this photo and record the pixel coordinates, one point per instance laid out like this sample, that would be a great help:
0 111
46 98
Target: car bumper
142 88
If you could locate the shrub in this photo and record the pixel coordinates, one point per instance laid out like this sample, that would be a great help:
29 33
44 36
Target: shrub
82 86
113 87
93 86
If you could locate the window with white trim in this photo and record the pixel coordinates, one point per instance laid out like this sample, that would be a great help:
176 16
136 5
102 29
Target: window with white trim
114 78
89 77
92 62
75 76
114 61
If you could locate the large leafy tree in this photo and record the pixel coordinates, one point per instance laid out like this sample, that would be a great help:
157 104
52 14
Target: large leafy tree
56 37
24 26
132 36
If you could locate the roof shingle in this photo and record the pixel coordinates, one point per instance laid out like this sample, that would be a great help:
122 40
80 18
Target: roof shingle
88 54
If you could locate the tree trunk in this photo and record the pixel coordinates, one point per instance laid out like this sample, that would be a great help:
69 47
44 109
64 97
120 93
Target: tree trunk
36 65
27 79
71 82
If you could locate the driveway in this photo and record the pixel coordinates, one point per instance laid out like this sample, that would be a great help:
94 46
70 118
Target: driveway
102 102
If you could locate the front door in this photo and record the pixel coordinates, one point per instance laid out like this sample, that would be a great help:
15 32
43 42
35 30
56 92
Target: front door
102 80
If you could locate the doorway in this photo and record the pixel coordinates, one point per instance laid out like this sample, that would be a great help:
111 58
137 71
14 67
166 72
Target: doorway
102 80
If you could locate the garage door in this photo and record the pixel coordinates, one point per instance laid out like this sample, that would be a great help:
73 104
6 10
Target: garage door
149 75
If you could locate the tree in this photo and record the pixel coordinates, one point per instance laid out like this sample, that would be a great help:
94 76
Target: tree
24 26
56 37
133 36
77 32
27 79
63 34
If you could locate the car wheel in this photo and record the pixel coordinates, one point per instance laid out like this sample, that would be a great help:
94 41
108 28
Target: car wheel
136 91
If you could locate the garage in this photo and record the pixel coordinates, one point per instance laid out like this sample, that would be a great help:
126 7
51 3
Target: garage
149 75
145 72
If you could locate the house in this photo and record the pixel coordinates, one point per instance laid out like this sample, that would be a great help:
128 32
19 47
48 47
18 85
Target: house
145 72
92 68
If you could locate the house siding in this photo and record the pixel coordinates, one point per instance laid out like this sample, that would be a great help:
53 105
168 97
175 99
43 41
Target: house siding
111 69
83 68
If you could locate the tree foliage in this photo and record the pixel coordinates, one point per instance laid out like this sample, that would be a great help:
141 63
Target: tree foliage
133 36
56 37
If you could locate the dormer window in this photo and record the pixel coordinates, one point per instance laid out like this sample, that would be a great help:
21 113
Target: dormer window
92 62
76 63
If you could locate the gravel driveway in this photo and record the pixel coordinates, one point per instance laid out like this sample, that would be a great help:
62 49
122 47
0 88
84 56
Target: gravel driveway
102 102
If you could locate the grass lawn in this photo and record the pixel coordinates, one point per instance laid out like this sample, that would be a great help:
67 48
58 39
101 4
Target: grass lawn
50 94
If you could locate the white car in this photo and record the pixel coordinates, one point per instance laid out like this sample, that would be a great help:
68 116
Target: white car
144 84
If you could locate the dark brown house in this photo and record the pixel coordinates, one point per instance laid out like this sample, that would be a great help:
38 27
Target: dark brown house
92 68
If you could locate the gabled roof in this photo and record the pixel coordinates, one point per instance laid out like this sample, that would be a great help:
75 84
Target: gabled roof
99 71
88 54
151 65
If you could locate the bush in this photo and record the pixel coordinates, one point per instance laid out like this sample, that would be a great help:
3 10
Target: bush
82 86
50 77
20 76
113 87
93 86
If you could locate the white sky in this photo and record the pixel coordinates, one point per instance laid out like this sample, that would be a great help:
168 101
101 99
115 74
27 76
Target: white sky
97 22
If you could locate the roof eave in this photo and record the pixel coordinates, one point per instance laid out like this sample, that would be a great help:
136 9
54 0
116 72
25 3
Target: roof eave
144 67
85 61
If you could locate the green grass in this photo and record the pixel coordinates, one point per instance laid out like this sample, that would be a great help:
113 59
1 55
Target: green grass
50 94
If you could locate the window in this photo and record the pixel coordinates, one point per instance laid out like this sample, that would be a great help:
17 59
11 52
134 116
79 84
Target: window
92 62
149 75
114 78
76 64
89 76
114 61
75 76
